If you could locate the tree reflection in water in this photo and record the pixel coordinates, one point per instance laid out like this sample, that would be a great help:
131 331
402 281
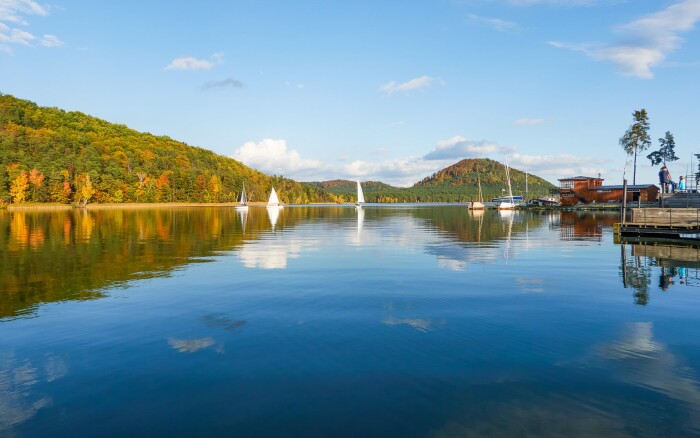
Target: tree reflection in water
670 264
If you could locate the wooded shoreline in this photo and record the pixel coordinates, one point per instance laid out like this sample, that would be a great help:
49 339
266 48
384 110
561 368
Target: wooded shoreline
145 205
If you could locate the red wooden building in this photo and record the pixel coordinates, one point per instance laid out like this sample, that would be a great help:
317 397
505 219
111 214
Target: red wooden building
589 190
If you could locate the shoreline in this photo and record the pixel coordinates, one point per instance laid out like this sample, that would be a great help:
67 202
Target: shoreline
134 205
146 205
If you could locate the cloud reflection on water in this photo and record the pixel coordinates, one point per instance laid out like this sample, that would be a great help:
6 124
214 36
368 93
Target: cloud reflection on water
190 345
19 397
647 363
274 253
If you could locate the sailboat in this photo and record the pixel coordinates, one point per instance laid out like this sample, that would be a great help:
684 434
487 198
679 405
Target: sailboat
243 205
478 205
360 196
274 201
509 202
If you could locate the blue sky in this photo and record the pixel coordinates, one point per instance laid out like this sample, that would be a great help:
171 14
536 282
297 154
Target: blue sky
372 90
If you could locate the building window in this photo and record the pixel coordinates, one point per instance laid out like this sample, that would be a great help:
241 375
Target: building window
567 184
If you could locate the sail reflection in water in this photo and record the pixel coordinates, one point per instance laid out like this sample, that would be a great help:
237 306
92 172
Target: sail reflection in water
449 322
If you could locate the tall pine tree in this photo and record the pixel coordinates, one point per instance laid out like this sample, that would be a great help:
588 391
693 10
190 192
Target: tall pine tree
636 139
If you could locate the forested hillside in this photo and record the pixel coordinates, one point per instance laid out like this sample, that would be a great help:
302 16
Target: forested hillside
456 183
49 155
461 179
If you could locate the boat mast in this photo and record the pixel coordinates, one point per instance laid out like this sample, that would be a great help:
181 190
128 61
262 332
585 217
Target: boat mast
478 181
526 175
510 190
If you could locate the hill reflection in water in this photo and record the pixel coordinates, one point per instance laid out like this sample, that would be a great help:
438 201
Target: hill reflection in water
54 256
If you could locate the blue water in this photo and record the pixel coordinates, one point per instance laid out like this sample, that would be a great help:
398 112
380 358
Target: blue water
325 321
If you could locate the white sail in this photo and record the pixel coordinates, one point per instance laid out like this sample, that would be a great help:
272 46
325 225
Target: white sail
244 201
273 201
360 195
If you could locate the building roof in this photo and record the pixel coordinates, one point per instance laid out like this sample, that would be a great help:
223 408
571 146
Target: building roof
620 187
579 178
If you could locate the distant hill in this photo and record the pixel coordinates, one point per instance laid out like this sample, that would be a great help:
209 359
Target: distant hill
462 177
456 183
49 155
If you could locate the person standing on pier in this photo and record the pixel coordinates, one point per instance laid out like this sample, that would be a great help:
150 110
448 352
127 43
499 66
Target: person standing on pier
666 181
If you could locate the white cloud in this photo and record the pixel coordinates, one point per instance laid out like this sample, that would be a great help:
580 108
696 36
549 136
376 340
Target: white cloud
225 83
192 63
410 85
459 147
51 41
272 156
528 122
495 23
218 57
648 40
189 63
14 13
553 167
402 172
406 171
15 36
556 2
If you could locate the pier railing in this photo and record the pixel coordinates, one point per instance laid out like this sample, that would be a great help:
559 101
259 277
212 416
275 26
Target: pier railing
668 217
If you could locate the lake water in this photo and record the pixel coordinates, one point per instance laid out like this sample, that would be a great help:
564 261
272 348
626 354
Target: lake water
325 321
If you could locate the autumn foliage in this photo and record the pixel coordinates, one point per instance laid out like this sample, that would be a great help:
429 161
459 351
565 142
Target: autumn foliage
49 155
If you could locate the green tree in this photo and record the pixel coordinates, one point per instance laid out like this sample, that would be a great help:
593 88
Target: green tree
666 151
636 139
4 186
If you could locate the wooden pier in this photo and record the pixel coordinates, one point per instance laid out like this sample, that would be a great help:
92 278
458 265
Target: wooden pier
663 223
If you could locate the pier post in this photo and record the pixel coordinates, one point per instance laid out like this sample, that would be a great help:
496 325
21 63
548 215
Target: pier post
624 200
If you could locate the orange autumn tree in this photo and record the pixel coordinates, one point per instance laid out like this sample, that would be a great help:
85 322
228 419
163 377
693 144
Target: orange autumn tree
36 178
61 190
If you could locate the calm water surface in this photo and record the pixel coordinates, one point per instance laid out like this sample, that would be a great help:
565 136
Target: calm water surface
326 321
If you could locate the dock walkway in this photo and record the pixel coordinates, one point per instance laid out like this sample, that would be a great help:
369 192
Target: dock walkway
666 223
